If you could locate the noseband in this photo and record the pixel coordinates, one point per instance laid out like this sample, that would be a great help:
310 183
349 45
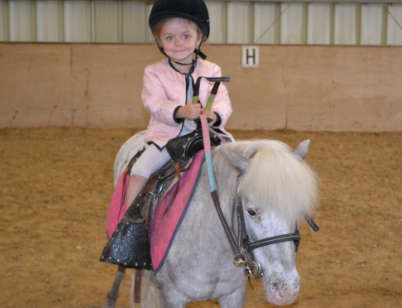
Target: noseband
246 247
242 246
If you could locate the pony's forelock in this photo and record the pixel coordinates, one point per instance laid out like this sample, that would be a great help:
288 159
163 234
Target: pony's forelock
276 178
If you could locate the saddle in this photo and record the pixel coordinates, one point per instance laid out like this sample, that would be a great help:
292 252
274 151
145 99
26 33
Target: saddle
129 246
181 149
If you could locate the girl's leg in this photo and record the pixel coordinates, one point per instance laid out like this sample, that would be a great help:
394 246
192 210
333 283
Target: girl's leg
135 185
150 161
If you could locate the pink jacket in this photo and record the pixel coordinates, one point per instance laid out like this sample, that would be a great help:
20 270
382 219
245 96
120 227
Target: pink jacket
164 90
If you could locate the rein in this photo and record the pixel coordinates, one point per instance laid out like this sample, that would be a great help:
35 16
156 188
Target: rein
242 247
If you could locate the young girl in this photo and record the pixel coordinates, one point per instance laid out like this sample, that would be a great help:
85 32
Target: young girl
179 28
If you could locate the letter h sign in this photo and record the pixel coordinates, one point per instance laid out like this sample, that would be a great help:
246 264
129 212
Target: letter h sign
250 56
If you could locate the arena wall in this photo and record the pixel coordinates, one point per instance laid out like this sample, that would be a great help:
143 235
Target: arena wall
315 88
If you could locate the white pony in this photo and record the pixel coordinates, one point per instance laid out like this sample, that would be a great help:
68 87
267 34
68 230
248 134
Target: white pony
267 184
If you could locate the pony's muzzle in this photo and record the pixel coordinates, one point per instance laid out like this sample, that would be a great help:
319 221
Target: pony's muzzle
282 292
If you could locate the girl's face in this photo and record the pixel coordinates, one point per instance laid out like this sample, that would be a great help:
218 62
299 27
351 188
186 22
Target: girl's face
179 37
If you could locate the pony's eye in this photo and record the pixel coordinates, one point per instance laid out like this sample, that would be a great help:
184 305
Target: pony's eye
251 212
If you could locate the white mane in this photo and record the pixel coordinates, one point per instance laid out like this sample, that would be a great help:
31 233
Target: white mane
277 178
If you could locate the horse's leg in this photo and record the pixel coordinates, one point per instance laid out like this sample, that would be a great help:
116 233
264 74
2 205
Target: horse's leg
234 300
114 292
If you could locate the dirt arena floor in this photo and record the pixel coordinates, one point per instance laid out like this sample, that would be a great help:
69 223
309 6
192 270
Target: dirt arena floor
55 186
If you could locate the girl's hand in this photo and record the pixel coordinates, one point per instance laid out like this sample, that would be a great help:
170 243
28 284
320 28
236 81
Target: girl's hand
189 111
210 115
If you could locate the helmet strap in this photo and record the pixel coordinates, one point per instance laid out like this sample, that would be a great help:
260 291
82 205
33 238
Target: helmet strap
199 53
193 63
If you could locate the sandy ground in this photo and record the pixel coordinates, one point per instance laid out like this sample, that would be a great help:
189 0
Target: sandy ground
55 185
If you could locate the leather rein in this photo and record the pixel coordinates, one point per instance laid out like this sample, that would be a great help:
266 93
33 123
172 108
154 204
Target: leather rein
241 245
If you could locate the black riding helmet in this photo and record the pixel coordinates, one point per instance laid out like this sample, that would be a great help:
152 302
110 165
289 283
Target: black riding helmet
194 10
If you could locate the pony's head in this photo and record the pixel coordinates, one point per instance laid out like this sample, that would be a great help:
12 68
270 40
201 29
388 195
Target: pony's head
276 188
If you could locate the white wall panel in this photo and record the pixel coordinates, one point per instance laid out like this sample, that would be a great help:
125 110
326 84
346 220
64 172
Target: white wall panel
148 34
135 22
319 23
107 21
292 23
371 30
218 22
4 24
235 22
238 22
22 20
394 33
266 23
78 21
345 24
50 21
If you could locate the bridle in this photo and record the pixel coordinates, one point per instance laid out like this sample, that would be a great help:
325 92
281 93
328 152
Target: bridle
240 243
243 247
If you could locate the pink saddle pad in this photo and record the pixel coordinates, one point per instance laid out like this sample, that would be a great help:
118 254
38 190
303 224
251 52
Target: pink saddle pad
164 225
117 207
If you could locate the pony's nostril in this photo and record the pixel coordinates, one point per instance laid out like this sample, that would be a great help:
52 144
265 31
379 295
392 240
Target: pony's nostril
277 286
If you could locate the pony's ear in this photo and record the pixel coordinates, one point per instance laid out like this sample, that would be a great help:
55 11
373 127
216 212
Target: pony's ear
237 161
302 149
